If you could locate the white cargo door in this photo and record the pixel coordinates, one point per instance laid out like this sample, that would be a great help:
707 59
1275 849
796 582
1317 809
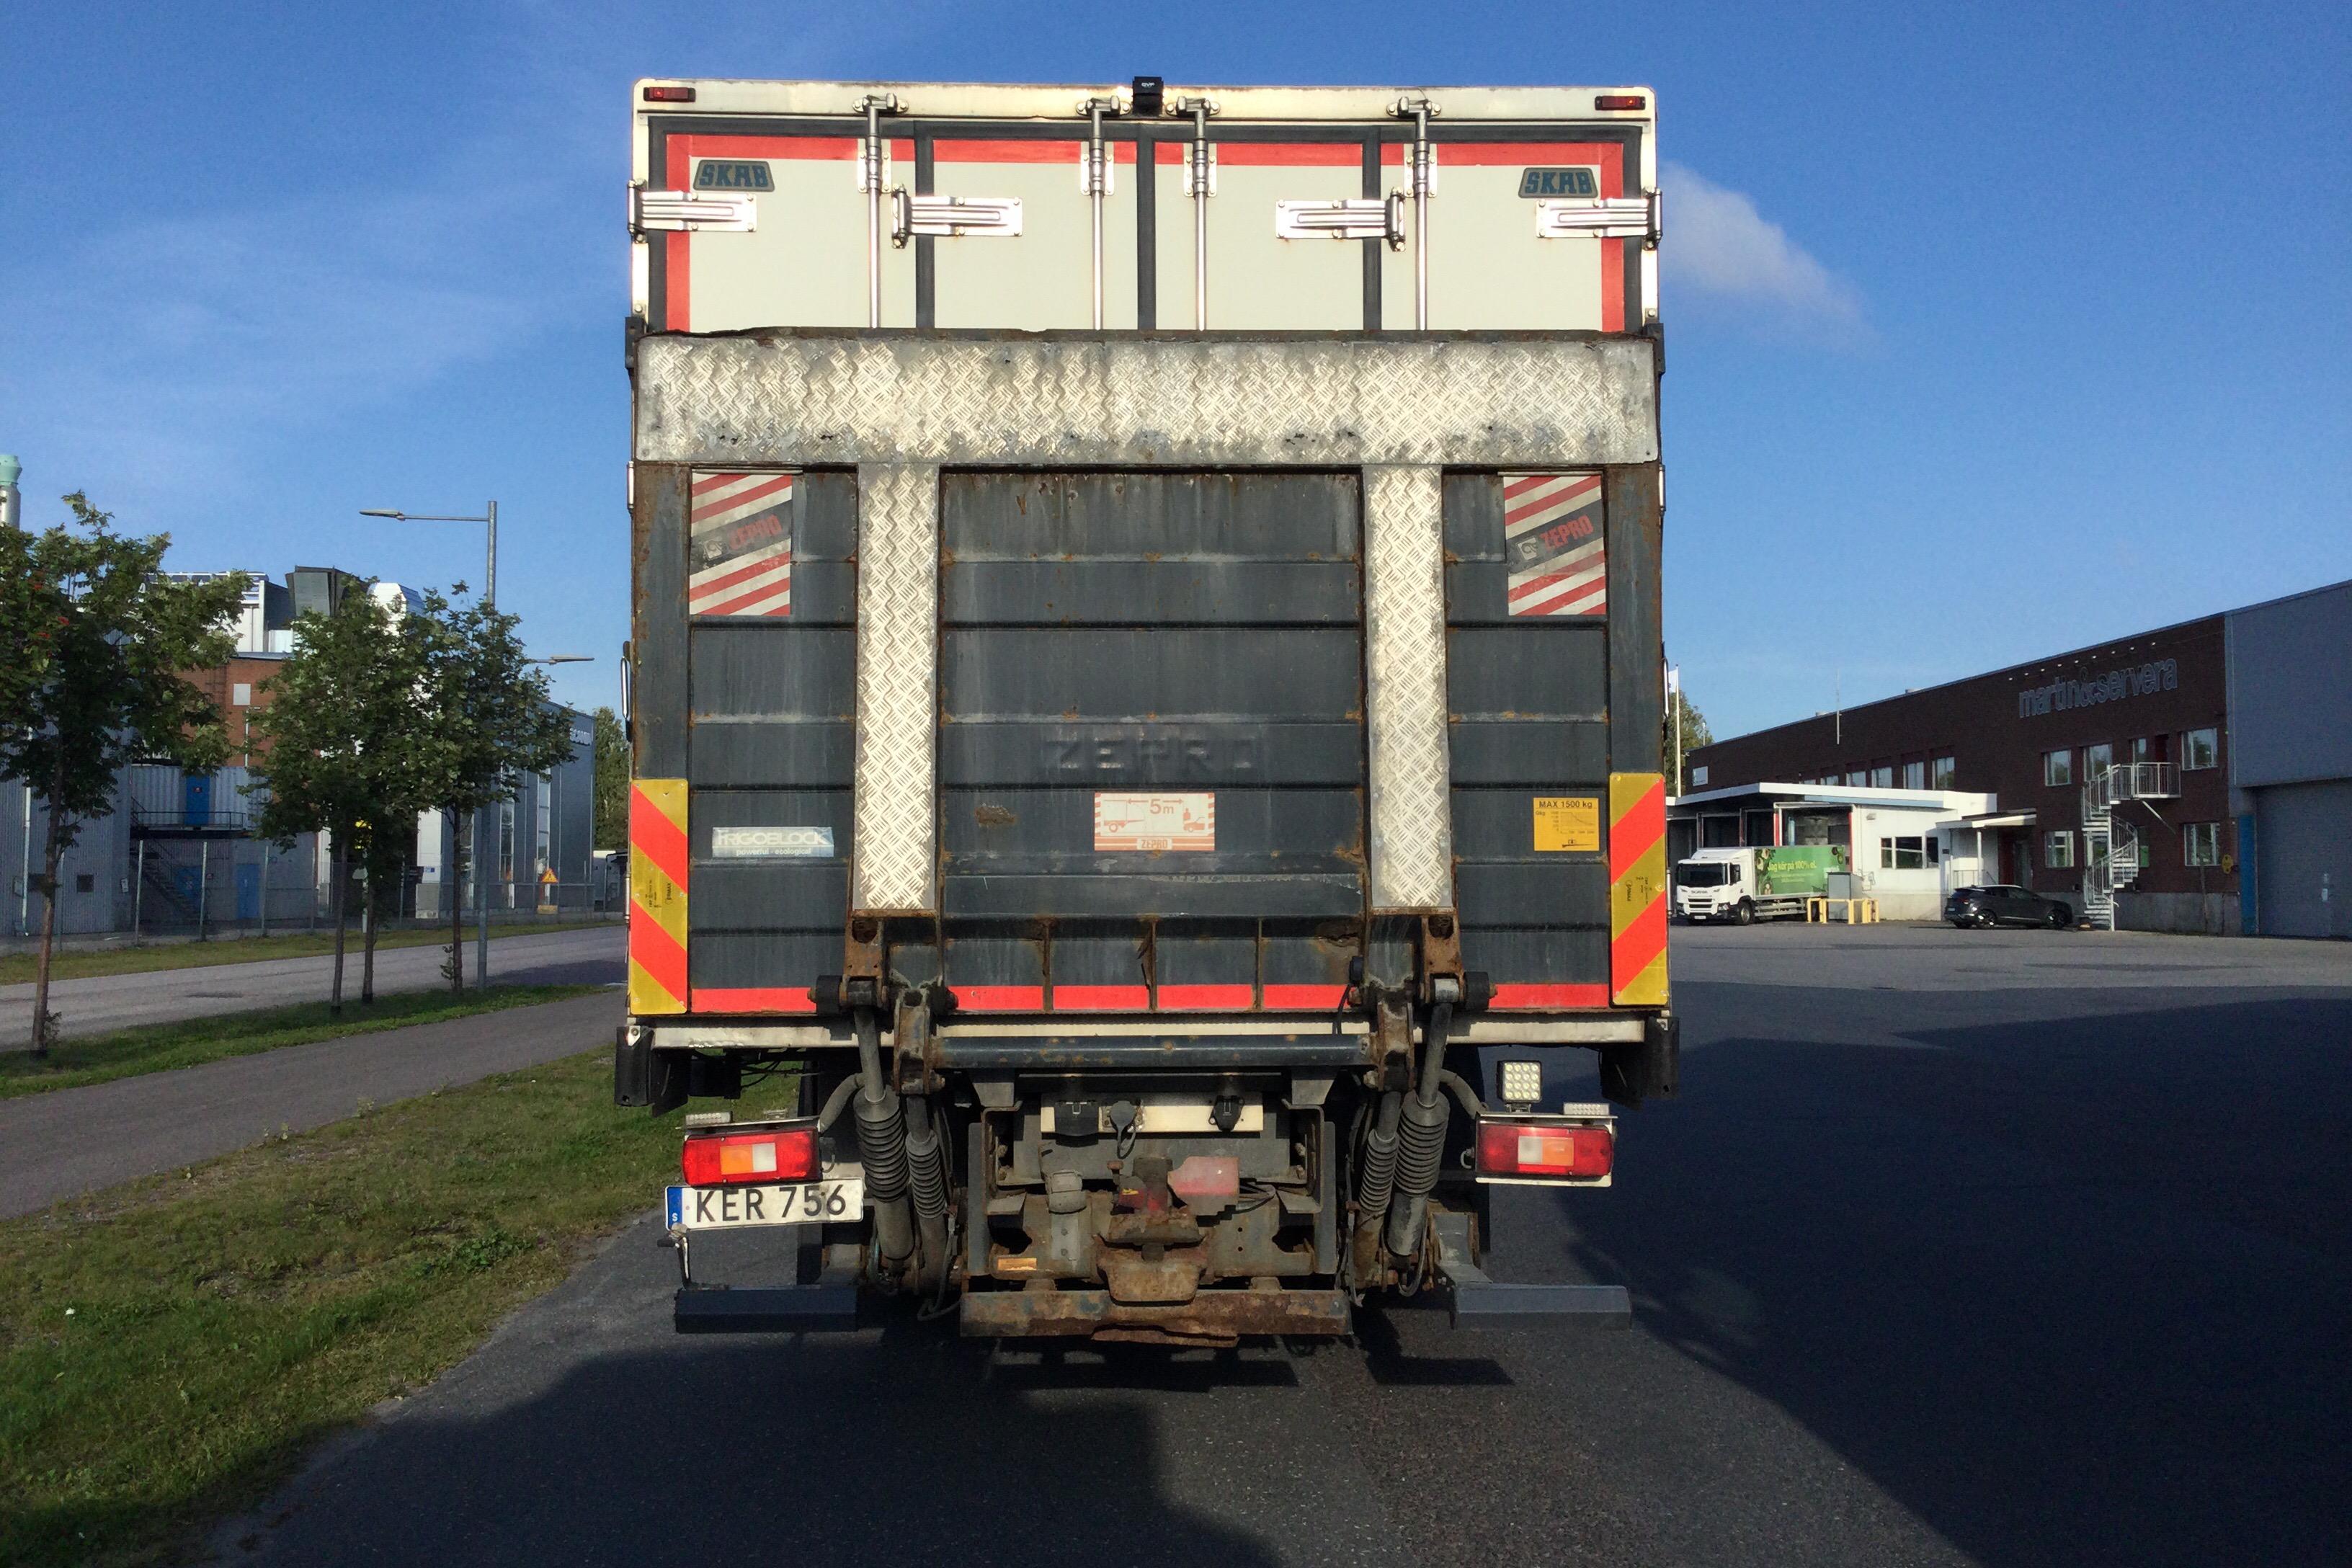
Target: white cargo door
804 264
1488 268
1043 278
1256 279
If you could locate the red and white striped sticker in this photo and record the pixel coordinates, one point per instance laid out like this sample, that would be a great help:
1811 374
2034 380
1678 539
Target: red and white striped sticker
741 550
1552 540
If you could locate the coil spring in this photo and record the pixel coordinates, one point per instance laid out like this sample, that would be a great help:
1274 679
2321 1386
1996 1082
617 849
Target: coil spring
928 1170
1421 1146
882 1147
1380 1172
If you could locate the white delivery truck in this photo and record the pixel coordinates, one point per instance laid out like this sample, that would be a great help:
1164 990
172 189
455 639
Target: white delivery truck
1757 883
1145 690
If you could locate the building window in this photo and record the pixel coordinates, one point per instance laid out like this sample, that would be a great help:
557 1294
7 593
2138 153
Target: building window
1943 771
2150 748
2200 843
1857 778
1882 776
2058 767
1903 854
86 882
1698 774
1914 775
2097 760
2200 749
2058 849
240 695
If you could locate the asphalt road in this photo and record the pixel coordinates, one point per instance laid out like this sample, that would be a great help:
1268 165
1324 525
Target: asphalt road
1930 1266
72 1141
101 1003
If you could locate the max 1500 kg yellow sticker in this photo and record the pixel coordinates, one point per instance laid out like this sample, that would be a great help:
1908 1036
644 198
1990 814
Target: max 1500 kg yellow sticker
1567 822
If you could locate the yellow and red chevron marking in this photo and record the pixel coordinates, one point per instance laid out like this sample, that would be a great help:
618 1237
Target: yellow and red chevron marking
658 884
1637 890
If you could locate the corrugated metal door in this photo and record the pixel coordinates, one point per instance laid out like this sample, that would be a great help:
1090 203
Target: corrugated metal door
1527 685
771 649
1151 760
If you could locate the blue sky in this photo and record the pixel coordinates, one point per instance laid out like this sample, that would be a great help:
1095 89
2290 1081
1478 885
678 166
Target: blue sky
1992 332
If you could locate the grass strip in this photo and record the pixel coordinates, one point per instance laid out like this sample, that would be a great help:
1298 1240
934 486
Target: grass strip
170 1348
88 962
154 1047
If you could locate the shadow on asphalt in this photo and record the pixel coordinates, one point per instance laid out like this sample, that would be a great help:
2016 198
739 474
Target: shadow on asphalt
763 1451
2077 1291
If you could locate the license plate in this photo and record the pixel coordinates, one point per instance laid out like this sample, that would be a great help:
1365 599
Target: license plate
782 1202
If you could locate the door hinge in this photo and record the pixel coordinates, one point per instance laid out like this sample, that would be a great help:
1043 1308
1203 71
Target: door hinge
943 218
1374 218
687 211
1609 218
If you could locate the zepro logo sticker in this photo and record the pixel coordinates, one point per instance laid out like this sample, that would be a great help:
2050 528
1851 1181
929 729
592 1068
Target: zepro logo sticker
733 175
1574 184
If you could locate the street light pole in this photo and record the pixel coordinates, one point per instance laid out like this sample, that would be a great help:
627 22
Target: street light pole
481 815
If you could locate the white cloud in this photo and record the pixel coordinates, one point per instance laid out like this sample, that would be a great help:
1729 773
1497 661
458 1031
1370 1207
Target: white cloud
1720 247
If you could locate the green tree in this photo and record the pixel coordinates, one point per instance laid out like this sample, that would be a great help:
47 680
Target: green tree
351 753
493 724
1695 735
96 636
612 782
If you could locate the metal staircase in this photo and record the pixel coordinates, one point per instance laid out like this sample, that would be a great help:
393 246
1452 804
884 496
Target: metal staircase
2098 857
2111 849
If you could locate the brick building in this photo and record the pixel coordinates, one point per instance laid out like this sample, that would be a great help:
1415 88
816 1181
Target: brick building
2107 769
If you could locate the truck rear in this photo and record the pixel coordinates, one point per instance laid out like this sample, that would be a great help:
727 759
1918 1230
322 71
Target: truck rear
1145 690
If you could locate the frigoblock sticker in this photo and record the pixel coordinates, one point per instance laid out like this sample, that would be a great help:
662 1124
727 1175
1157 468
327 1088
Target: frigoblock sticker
1553 544
740 553
771 843
1130 823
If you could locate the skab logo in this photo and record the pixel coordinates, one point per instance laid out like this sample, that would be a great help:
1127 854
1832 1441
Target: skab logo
1579 182
733 175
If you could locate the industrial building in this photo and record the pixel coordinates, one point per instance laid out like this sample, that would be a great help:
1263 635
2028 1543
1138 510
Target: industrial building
179 854
2197 777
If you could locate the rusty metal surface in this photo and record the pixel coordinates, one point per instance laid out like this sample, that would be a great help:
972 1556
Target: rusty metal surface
985 400
1404 689
1212 1316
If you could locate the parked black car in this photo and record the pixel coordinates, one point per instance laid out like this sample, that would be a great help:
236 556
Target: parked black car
2002 905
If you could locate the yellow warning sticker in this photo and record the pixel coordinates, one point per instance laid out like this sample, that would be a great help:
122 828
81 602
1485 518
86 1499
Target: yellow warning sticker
1568 823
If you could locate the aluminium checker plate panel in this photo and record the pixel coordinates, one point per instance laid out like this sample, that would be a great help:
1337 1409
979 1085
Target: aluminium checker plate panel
899 405
1475 400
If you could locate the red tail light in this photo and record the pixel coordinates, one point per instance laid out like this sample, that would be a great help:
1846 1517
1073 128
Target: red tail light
1534 1150
767 1154
680 95
1621 100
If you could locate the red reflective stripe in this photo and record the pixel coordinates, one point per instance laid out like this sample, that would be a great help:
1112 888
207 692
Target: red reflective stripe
1587 599
656 952
1000 998
944 151
1612 285
703 507
764 591
754 999
1632 835
1608 155
1639 944
1101 998
1294 998
653 834
1286 155
1207 998
741 573
1531 997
